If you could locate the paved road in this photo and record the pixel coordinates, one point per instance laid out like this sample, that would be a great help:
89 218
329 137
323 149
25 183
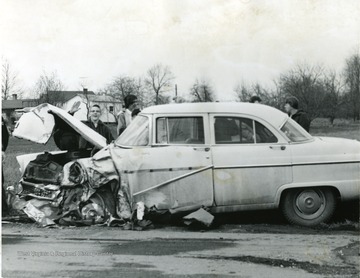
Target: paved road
228 251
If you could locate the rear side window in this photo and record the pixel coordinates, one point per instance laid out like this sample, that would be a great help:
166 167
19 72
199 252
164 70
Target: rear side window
234 130
180 130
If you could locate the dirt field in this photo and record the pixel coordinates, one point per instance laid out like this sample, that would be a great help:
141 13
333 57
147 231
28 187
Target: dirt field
230 250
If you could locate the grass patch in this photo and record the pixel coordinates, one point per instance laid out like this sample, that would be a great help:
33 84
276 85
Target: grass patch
341 128
349 132
19 147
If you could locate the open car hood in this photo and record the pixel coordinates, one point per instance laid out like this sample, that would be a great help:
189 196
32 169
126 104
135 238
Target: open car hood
37 125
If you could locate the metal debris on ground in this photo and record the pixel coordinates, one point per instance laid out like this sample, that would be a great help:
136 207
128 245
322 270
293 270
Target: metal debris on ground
200 218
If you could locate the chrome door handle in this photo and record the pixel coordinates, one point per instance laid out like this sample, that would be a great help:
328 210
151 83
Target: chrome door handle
202 149
278 147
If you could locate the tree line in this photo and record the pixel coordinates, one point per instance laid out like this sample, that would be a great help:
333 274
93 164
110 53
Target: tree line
321 92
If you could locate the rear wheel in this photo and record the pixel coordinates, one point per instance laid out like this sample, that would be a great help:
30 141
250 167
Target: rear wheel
308 206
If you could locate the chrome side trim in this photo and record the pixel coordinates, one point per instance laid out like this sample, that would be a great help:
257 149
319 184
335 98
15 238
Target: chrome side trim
325 163
283 165
252 166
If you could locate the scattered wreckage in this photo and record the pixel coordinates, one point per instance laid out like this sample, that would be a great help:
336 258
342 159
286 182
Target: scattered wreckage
182 158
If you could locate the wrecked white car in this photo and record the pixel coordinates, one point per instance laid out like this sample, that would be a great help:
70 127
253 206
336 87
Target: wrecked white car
226 157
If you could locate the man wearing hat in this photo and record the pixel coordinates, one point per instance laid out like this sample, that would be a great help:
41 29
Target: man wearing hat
124 117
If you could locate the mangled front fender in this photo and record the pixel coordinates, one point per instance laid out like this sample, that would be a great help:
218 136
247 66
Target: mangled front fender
99 169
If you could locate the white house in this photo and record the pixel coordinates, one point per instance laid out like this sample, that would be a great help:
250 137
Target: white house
109 105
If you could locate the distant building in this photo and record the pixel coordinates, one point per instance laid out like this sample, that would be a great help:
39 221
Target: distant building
59 98
109 106
9 107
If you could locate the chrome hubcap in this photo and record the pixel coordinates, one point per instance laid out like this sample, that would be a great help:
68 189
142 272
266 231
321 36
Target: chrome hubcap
310 204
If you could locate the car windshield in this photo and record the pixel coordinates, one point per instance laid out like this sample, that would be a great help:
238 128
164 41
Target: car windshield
294 132
136 134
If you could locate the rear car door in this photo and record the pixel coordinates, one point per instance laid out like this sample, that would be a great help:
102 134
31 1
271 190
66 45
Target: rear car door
251 161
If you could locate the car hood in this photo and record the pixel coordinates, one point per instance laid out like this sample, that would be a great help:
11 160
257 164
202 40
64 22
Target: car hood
37 125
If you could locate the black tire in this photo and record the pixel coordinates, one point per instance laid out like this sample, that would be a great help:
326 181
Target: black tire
308 206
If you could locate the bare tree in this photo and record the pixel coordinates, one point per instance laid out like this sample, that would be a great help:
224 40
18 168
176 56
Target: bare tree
244 92
49 89
202 91
159 79
122 86
9 85
306 83
352 79
334 97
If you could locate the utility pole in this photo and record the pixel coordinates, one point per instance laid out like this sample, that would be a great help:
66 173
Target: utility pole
175 98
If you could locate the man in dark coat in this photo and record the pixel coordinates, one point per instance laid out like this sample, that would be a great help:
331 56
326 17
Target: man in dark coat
298 115
4 144
96 124
65 137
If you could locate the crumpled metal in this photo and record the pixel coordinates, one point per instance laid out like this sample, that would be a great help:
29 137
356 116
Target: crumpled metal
89 193
97 171
39 191
124 210
200 216
42 211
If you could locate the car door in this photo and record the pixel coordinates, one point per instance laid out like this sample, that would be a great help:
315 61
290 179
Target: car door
175 170
251 160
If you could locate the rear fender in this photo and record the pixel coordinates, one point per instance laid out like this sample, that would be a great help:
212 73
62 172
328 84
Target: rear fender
286 187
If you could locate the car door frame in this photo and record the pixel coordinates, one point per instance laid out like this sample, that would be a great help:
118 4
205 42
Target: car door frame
227 176
169 184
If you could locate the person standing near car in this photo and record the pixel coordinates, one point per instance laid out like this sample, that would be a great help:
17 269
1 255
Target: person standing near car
125 117
4 143
255 99
134 113
96 124
65 137
298 115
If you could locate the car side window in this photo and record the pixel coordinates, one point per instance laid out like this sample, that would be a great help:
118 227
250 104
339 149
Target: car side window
229 130
235 130
263 134
180 130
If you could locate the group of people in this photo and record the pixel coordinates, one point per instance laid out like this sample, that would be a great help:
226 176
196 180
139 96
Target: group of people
292 108
67 139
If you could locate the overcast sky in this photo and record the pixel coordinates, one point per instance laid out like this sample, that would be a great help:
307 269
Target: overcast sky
91 42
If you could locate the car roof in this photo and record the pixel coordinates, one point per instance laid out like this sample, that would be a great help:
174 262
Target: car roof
265 112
